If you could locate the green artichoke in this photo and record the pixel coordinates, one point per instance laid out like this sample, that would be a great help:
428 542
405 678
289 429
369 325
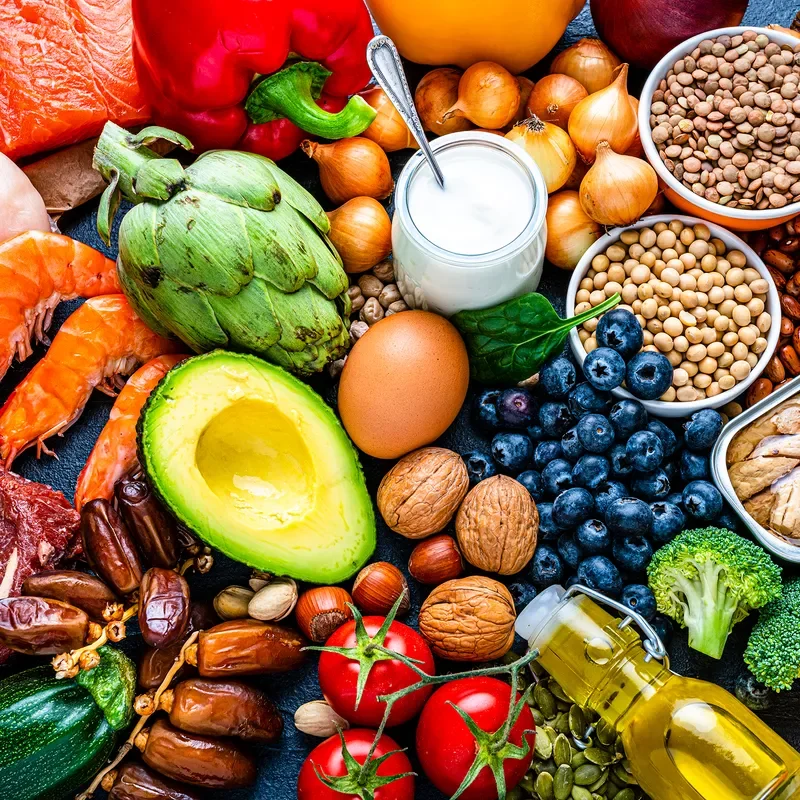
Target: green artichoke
228 252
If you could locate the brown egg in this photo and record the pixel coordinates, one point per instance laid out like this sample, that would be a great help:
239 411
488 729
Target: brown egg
403 383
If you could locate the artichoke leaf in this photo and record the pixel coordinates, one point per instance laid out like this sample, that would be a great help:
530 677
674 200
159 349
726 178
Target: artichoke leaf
140 296
300 200
248 318
331 278
203 244
160 178
243 179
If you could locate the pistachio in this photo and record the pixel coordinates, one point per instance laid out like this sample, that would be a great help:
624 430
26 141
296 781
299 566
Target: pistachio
232 602
259 579
317 718
275 601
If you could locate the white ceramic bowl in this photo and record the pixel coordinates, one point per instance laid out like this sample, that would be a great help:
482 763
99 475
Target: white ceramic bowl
661 408
736 218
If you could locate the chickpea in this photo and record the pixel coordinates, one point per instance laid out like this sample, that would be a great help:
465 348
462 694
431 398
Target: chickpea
738 259
686 394
597 297
748 334
694 334
708 366
726 307
759 286
663 342
740 370
647 337
666 239
713 390
645 291
759 346
590 325
615 252
616 272
689 320
647 237
727 382
687 282
663 311
764 322
674 358
669 396
702 381
581 307
600 280
680 343
583 335
725 360
716 295
629 293
709 336
673 326
741 315
675 307
671 276
755 307
680 377
590 344
752 359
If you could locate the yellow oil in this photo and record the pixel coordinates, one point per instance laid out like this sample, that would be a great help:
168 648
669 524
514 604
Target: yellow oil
685 738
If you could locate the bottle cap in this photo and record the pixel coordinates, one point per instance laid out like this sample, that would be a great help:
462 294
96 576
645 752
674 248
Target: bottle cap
534 616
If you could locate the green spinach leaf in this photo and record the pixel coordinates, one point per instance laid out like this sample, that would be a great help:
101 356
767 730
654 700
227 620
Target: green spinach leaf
509 342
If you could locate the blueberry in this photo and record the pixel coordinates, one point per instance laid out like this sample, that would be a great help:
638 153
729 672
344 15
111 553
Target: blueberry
604 368
648 375
571 581
627 417
676 498
669 441
555 419
595 433
547 528
702 501
607 493
532 481
546 568
632 553
671 470
523 593
558 377
668 521
599 573
640 598
569 551
592 537
557 477
728 519
662 625
585 399
645 451
629 516
535 433
701 430
516 408
693 467
591 471
479 466
512 451
546 452
652 486
572 507
620 463
753 694
484 410
621 331
571 446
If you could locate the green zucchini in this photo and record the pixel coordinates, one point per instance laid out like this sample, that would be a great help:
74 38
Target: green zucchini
56 734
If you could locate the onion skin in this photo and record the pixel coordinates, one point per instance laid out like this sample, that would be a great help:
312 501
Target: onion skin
643 31
361 232
570 231
590 62
437 92
388 129
488 95
554 97
549 146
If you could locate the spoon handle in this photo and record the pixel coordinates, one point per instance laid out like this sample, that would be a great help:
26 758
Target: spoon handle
386 66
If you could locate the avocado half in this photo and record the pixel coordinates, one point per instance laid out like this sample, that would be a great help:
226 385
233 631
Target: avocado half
257 465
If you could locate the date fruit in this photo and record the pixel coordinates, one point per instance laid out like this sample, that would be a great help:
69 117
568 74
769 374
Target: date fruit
70 586
109 547
41 627
248 647
197 760
222 708
137 782
163 607
153 529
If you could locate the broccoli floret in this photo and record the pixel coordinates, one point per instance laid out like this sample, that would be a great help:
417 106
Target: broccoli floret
708 580
773 652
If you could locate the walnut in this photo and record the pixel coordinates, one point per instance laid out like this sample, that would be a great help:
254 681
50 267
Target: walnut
497 526
420 494
469 619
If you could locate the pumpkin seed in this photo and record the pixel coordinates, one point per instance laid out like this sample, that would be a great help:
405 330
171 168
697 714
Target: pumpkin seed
543 747
606 735
579 793
544 700
562 750
544 786
623 776
625 794
556 689
587 774
600 782
551 733
515 794
545 766
577 722
598 756
578 758
562 723
563 782
538 717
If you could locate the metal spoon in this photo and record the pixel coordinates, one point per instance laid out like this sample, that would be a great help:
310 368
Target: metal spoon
386 66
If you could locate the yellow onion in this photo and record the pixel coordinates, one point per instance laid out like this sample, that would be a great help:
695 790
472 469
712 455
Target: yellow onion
618 189
437 92
361 232
388 129
554 98
636 150
488 95
526 86
549 146
570 232
605 116
574 180
351 168
590 62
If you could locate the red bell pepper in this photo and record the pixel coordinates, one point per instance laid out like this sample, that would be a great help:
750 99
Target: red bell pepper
217 71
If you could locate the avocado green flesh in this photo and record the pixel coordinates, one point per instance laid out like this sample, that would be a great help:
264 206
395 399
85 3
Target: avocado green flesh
257 465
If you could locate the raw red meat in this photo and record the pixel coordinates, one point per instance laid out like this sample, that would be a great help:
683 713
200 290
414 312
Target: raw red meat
38 528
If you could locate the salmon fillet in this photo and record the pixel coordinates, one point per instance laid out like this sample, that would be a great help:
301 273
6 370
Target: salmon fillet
66 67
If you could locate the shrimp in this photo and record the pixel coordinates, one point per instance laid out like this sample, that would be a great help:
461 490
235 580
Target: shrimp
114 453
37 271
101 341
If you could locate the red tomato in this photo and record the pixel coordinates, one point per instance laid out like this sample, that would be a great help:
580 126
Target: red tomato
338 674
328 759
446 748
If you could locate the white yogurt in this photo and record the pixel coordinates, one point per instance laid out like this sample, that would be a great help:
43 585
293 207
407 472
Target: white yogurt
480 240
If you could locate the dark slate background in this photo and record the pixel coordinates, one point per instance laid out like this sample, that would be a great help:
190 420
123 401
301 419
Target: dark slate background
279 765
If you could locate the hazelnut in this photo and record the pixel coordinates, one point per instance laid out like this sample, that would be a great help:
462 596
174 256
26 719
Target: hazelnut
420 494
497 526
321 610
377 588
275 601
317 718
469 619
436 560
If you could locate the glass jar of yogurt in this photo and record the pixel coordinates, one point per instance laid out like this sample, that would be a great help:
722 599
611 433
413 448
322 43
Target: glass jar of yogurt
479 241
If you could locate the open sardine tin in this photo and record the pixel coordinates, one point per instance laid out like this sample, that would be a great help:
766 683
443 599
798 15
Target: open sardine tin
769 481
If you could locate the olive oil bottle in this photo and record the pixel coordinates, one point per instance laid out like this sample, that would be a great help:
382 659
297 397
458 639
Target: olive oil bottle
685 738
